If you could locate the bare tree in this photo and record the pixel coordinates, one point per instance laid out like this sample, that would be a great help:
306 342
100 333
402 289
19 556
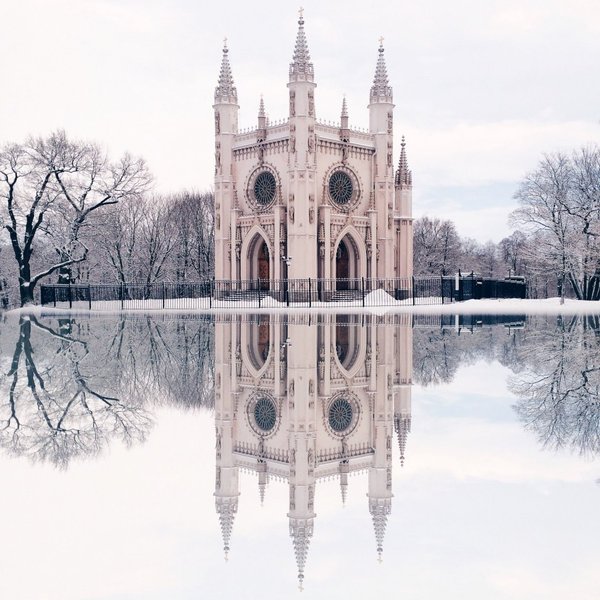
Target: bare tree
436 246
560 206
50 187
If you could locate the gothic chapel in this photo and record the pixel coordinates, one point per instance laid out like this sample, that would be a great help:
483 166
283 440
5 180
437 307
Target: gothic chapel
303 199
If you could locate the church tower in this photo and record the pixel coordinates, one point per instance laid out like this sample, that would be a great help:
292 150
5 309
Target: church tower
304 199
226 124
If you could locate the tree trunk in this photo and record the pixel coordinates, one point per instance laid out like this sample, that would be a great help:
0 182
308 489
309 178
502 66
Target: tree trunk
26 291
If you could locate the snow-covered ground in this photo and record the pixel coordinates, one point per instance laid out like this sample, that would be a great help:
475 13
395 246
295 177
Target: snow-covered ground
375 303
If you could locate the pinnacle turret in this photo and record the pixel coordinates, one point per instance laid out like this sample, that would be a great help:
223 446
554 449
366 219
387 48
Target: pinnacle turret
261 108
344 108
225 90
301 69
379 509
226 508
403 174
381 90
301 531
402 427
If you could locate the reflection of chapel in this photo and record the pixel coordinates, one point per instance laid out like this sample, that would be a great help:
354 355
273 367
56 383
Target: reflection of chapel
301 198
301 403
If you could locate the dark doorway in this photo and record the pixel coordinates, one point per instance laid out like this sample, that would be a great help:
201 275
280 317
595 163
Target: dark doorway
263 266
342 266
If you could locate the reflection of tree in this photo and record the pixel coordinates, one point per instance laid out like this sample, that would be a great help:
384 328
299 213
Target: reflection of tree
53 410
559 384
73 386
439 352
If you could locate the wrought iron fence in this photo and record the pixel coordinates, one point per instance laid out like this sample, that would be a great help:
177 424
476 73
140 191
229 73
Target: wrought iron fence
306 293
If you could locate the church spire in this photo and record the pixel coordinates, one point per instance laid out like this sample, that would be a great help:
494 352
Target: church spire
226 508
380 90
402 427
379 509
261 108
344 108
403 174
225 90
301 69
301 531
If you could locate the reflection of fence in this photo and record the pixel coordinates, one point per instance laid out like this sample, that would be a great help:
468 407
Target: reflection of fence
349 293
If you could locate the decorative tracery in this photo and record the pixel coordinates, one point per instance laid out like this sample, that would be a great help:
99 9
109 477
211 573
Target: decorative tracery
340 415
264 188
340 187
265 414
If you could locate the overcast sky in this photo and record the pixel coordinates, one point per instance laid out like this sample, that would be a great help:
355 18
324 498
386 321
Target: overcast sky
482 88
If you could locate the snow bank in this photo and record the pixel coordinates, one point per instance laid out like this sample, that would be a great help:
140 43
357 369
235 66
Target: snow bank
376 302
379 298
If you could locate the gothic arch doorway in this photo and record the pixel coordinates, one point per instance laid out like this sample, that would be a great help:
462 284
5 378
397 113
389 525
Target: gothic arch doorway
259 261
346 264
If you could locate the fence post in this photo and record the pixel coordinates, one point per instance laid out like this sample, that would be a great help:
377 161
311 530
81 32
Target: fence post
122 293
362 285
211 289
70 296
54 294
286 282
413 289
90 296
258 290
442 288
309 293
163 294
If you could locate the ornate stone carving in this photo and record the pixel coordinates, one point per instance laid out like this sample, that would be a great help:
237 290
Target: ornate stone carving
217 123
311 104
217 157
292 103
390 122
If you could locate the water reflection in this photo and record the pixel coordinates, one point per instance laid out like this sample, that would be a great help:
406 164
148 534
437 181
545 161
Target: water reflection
71 386
309 403
298 400
557 381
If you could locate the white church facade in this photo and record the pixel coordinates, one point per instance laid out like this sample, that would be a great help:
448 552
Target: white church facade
304 199
326 405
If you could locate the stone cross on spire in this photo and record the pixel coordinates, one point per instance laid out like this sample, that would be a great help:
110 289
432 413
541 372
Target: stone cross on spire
381 90
225 90
301 68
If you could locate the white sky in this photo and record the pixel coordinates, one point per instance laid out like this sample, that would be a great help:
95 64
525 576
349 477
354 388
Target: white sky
482 89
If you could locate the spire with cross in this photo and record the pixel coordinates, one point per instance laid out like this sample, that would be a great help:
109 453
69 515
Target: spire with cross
301 68
381 90
225 90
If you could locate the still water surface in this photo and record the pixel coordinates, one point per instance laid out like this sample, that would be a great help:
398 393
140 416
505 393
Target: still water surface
254 457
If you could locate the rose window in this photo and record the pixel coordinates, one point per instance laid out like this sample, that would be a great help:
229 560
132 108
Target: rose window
340 415
340 187
265 414
264 188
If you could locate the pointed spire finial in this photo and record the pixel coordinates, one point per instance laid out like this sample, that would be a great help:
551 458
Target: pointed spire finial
226 509
344 107
403 179
301 69
381 90
301 531
225 90
261 107
379 509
